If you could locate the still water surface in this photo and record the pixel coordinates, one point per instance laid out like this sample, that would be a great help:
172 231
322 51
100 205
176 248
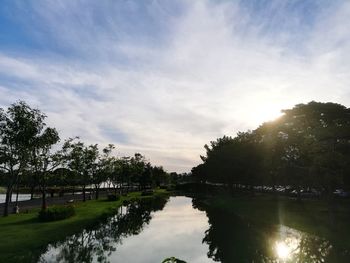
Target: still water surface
143 236
148 232
21 197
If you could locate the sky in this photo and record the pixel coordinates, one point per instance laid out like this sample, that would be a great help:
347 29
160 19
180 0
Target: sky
165 77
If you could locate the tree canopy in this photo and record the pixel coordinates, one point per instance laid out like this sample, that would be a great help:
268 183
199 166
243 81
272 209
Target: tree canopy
308 146
31 156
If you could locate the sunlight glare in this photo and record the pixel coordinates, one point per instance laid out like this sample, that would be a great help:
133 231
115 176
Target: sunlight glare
263 112
268 113
287 248
283 251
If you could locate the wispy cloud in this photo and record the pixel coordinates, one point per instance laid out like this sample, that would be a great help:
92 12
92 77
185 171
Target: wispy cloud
166 77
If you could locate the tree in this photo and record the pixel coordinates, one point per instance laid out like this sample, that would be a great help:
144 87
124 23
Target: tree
145 179
82 160
19 126
229 160
62 177
315 141
125 171
159 176
199 173
104 168
307 147
115 176
90 161
137 168
43 161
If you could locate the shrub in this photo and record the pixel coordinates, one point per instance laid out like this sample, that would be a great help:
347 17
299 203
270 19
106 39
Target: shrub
170 187
57 213
113 197
147 192
126 202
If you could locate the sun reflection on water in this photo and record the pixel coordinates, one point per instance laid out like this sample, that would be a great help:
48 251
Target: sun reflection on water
290 245
285 249
282 250
287 244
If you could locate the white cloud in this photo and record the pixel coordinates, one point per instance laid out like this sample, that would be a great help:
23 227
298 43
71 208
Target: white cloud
214 71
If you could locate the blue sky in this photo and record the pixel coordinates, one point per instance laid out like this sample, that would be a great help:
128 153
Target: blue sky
165 77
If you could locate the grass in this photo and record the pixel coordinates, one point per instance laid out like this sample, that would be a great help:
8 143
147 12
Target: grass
2 190
23 236
310 216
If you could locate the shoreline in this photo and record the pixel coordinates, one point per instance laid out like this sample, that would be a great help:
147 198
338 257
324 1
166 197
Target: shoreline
23 236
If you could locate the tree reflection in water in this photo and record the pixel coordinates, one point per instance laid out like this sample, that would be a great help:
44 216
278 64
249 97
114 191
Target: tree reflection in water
231 239
96 244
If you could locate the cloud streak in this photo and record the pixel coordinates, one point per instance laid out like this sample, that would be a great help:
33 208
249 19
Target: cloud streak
165 77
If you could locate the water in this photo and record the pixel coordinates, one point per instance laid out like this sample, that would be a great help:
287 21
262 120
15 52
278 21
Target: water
232 239
139 235
148 232
21 197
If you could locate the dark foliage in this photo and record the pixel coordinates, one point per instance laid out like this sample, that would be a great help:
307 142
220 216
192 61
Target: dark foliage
56 213
111 197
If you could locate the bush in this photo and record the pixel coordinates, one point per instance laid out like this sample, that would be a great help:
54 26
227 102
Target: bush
147 192
170 187
113 197
57 213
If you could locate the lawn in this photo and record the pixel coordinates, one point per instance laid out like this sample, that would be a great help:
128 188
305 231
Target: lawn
2 190
23 236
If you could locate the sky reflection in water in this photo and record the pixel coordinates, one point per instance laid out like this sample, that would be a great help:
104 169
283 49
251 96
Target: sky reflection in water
148 233
177 230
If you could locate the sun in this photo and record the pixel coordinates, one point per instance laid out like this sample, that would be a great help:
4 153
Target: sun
269 113
264 113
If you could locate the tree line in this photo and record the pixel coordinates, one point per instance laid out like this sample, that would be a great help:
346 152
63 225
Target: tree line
308 147
32 157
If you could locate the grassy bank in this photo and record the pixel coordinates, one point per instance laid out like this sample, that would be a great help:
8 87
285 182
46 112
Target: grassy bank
310 216
2 190
23 235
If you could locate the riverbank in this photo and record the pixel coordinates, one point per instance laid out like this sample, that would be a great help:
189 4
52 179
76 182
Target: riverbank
309 216
2 190
27 205
23 235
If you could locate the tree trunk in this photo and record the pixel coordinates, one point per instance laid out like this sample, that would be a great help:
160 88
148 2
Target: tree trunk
43 201
10 194
31 192
7 201
298 195
61 192
84 194
96 192
17 191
